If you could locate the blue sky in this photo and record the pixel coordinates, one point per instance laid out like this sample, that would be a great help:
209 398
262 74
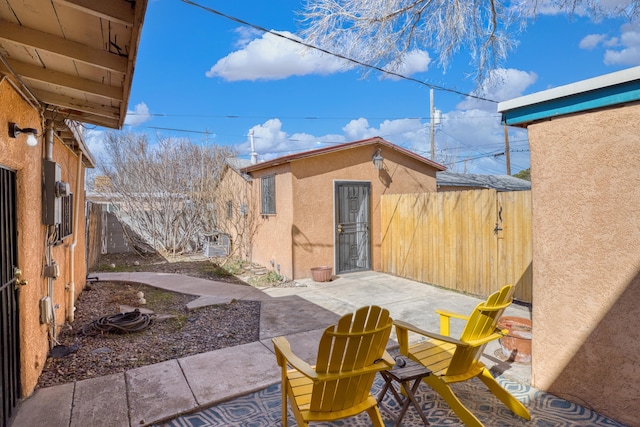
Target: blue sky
212 80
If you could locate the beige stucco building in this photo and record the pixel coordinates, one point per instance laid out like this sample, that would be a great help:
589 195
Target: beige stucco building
58 68
585 152
322 207
40 246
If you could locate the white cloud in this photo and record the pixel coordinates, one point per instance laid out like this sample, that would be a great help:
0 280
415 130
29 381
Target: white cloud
271 57
245 36
613 41
93 138
600 9
272 141
139 115
399 131
416 61
500 85
591 41
269 136
358 129
543 7
629 54
596 11
470 140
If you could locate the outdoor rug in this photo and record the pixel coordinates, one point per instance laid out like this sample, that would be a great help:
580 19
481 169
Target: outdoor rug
263 409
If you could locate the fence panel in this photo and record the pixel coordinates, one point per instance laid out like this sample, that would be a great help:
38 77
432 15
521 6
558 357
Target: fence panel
471 241
94 234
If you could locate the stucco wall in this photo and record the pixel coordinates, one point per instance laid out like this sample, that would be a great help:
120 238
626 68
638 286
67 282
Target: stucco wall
242 223
27 162
272 240
301 235
586 251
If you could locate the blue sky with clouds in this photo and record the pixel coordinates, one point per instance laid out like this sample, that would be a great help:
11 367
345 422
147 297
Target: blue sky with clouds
208 78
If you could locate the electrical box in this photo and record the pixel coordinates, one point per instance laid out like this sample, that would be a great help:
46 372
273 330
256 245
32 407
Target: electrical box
56 201
51 208
46 310
52 270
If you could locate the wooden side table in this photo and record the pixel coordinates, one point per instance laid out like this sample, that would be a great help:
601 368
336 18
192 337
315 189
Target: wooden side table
411 371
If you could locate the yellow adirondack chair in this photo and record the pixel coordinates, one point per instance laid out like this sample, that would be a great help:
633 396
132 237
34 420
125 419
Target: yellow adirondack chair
339 386
454 360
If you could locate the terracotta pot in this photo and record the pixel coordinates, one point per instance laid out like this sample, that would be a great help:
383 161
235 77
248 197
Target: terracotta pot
321 274
517 344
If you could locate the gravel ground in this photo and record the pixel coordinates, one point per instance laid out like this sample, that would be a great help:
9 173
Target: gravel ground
175 331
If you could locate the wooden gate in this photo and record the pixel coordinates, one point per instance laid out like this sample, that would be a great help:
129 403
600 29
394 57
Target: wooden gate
9 327
471 241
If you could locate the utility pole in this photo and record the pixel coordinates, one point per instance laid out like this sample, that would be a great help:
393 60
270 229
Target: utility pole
432 114
506 149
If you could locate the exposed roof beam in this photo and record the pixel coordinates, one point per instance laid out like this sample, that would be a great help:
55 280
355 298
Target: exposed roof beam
99 121
88 108
121 11
32 72
60 117
56 45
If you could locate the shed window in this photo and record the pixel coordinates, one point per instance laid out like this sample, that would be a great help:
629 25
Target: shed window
229 209
268 195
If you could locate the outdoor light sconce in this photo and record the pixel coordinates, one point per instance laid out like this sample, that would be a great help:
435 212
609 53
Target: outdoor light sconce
14 131
377 159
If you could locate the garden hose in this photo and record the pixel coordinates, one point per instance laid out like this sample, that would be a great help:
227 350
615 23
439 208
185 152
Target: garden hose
123 323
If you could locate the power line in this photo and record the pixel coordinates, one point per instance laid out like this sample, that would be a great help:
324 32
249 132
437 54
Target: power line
337 55
227 116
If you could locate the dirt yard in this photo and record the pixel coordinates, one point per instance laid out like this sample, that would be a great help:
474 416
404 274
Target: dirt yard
174 331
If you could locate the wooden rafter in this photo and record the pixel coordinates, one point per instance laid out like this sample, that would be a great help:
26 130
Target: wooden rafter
58 46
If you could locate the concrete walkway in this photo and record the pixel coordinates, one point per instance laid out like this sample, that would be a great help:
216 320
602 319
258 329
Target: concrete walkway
154 393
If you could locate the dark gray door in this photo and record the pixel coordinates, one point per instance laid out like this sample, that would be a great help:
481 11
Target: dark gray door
353 242
9 331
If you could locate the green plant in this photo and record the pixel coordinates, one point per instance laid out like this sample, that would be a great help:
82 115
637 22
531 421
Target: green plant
234 266
214 270
269 278
156 297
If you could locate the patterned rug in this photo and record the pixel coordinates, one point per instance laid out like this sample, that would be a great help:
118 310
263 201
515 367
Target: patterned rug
262 409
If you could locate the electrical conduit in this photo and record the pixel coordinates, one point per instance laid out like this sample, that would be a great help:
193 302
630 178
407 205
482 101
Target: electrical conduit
72 248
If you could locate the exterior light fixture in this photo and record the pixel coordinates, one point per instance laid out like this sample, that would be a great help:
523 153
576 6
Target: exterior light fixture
14 131
377 159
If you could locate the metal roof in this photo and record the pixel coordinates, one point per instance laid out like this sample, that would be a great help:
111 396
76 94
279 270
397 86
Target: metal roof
498 182
73 57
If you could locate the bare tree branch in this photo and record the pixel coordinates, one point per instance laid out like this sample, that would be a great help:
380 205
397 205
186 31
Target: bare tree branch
382 32
165 191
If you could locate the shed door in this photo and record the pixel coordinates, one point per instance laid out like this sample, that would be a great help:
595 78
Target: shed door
353 243
9 331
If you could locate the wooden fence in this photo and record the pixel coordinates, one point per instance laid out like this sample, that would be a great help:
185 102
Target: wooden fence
94 234
470 241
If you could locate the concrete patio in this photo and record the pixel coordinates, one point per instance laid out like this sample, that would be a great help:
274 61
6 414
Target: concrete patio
156 393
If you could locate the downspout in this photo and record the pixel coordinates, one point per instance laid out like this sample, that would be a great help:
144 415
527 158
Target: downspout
49 142
72 248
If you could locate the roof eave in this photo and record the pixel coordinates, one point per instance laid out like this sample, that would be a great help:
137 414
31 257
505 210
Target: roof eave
338 148
140 11
600 92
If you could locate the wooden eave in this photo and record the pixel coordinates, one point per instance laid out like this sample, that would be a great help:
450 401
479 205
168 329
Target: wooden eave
74 58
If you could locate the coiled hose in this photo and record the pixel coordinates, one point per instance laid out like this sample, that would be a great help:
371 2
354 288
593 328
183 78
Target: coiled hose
123 323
